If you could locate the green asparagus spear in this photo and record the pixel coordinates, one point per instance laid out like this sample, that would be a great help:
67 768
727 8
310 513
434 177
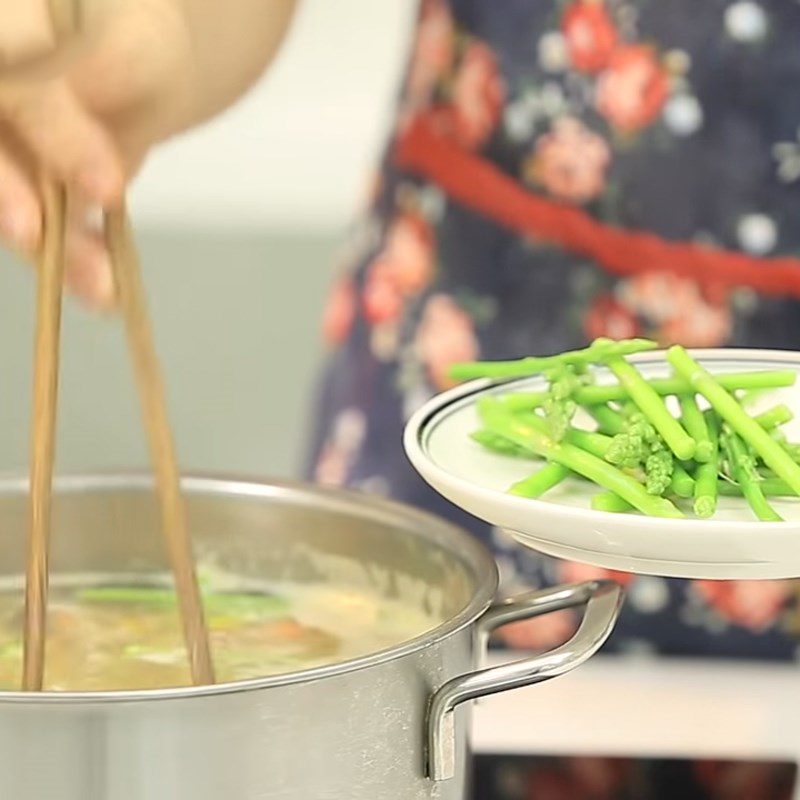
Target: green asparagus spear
540 482
658 469
768 379
632 449
653 408
559 408
591 441
523 401
682 483
778 435
692 418
595 443
773 455
774 417
613 503
499 445
705 487
771 487
609 421
743 470
497 418
607 393
793 450
240 603
598 352
640 446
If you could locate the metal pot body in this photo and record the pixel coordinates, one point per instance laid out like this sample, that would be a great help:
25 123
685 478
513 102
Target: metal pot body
355 736
390 725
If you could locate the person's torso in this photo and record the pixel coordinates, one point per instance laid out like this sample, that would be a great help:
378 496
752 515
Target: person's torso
560 170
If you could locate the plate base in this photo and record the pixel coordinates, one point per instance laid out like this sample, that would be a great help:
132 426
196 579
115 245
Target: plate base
694 570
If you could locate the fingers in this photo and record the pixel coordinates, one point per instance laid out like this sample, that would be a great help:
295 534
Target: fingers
64 139
20 209
26 32
88 269
88 273
46 126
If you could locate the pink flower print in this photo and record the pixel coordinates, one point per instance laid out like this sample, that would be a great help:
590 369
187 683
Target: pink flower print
541 633
340 311
570 161
675 310
609 318
332 467
409 252
402 269
633 88
549 783
575 572
341 449
446 335
600 778
589 778
705 326
657 296
733 780
382 299
590 34
754 605
477 95
434 50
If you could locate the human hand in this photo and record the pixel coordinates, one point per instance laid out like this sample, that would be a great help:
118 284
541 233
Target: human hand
88 122
87 113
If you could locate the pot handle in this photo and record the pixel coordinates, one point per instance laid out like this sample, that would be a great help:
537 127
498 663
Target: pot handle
603 600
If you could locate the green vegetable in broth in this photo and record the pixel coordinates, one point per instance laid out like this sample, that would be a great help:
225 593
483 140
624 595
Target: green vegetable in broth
103 637
216 603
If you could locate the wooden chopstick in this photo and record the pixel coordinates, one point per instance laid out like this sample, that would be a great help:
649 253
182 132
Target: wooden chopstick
127 275
66 17
45 394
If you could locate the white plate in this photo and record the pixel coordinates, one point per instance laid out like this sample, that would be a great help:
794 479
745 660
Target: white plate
731 545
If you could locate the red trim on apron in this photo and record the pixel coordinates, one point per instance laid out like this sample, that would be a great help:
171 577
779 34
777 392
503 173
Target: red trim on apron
479 185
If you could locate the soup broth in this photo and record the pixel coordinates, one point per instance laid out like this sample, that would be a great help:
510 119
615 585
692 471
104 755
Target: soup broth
104 637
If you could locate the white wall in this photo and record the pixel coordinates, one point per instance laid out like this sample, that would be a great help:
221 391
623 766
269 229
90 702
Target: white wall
297 151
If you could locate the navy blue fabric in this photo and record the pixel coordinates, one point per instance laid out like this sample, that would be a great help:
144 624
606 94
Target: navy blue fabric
714 165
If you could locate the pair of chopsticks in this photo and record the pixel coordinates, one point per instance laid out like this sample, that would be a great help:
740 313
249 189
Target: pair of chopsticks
66 21
131 296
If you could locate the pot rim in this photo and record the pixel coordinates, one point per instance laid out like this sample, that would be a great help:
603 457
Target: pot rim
460 543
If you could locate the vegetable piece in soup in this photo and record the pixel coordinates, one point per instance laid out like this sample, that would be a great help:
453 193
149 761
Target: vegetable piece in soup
112 637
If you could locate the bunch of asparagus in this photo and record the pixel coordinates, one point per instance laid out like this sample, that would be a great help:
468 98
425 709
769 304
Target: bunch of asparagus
640 454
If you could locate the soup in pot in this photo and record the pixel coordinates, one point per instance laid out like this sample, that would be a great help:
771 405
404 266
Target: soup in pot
109 636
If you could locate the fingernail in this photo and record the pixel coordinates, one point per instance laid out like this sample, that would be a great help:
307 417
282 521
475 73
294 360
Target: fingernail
105 288
94 285
18 229
94 219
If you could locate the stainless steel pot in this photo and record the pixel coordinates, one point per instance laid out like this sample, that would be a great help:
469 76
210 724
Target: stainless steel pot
390 725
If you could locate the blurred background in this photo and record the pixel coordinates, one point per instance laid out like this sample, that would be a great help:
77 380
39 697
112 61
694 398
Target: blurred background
238 225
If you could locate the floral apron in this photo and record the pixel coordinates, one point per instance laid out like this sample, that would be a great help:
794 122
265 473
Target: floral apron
561 171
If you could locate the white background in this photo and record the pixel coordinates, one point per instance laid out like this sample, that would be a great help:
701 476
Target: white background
297 151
